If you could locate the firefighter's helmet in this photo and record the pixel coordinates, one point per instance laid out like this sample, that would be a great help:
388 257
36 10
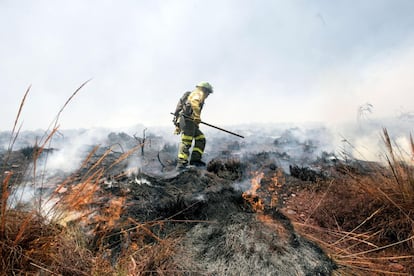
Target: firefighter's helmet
206 86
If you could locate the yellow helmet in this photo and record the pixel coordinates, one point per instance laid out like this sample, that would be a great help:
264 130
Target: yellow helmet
206 86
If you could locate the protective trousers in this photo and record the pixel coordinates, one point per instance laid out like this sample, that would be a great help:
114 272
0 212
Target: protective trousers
190 132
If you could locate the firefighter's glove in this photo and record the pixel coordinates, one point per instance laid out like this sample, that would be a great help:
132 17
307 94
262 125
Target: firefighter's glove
197 120
175 121
177 130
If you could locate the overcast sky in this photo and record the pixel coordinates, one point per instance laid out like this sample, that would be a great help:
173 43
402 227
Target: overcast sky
268 61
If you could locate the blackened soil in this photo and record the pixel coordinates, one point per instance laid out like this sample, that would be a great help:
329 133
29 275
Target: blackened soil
220 232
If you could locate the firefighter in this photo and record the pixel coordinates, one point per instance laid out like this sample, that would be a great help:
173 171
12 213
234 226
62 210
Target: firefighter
189 120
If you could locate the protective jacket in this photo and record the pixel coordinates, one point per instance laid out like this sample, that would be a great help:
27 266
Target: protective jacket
195 103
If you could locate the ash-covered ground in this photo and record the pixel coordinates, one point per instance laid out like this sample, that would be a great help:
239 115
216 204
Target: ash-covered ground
229 218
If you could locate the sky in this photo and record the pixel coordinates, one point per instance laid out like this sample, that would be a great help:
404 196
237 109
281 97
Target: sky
269 61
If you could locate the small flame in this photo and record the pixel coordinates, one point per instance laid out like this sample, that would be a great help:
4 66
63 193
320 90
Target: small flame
251 195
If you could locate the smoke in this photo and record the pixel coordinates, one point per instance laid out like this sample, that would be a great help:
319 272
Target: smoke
364 140
243 186
384 82
134 166
22 195
286 144
72 148
297 140
269 61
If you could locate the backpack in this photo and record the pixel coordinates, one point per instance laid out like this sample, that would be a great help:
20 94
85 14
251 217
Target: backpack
181 107
181 103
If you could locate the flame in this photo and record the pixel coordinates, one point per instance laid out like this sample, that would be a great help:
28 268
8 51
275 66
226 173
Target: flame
251 195
268 196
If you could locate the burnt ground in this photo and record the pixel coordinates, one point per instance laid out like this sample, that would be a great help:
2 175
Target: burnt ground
230 218
223 234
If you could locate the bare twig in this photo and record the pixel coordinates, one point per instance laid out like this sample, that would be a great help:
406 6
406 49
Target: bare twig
159 160
44 269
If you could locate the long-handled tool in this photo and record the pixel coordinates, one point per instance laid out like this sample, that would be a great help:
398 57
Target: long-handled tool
207 124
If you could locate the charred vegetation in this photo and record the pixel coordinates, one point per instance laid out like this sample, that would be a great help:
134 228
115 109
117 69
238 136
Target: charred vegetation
247 213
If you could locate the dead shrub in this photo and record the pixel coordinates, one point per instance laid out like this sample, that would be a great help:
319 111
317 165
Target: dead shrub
231 169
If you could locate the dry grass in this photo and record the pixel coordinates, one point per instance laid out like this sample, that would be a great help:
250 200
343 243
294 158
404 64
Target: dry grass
33 243
148 253
366 221
30 243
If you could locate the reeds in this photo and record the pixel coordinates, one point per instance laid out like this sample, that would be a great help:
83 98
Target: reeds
74 236
30 242
401 186
365 221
